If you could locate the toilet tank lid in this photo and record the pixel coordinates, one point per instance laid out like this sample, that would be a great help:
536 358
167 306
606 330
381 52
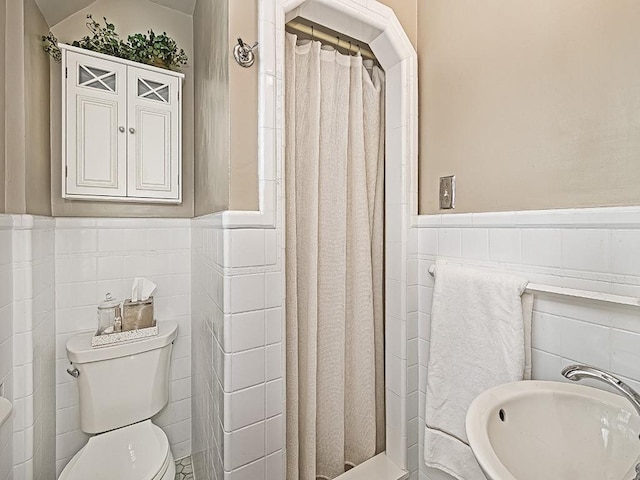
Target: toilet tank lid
79 349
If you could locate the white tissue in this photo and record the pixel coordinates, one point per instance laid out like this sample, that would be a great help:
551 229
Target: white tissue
142 289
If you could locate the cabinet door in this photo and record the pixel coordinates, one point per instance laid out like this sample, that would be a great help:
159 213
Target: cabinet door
96 120
154 151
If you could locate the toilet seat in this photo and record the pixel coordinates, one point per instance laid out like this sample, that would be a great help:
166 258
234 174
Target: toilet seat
136 452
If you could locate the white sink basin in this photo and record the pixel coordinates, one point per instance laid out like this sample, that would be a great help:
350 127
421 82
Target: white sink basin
555 431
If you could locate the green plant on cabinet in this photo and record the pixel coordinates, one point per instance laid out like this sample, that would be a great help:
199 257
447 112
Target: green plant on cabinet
159 50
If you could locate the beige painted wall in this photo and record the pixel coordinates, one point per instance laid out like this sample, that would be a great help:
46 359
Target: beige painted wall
532 105
227 117
226 152
241 171
27 188
407 13
38 148
3 11
15 195
211 73
243 103
129 16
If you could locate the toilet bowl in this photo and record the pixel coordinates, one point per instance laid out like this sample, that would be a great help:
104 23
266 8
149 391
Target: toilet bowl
121 387
137 452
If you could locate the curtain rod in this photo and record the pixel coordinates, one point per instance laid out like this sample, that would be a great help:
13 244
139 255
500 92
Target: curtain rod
333 40
572 292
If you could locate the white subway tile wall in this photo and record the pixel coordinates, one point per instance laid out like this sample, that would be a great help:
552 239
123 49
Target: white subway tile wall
99 256
6 341
237 379
595 249
33 348
27 440
207 357
238 422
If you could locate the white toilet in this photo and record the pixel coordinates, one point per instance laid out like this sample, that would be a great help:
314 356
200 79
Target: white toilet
121 388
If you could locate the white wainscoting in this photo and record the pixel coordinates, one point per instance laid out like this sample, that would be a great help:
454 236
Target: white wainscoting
6 341
238 389
592 249
96 256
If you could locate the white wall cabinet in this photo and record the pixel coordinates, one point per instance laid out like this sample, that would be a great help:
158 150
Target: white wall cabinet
122 129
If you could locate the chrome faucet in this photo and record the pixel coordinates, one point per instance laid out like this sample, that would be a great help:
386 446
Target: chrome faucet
579 372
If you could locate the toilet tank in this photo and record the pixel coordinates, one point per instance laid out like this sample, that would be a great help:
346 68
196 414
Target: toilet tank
124 383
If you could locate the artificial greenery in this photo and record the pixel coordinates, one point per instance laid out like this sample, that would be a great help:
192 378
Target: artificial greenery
104 39
51 47
157 50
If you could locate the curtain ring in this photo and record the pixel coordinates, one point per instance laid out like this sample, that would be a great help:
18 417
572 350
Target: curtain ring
312 35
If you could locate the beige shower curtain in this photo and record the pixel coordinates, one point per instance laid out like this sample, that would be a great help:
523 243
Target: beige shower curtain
334 254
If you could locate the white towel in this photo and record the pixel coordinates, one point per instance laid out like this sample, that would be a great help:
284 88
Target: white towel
480 338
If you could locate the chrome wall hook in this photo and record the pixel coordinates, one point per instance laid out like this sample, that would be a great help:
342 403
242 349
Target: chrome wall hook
243 53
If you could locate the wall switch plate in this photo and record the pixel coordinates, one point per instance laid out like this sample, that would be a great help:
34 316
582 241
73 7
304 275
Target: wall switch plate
447 192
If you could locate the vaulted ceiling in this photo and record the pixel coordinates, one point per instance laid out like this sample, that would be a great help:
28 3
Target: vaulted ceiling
55 11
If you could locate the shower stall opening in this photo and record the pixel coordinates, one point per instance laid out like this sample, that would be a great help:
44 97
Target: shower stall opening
334 164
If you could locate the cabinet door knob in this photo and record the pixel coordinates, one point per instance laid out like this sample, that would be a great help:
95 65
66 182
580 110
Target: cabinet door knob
132 130
121 129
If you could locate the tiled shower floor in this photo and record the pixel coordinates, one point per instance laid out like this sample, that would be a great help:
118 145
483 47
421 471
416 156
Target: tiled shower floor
184 470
